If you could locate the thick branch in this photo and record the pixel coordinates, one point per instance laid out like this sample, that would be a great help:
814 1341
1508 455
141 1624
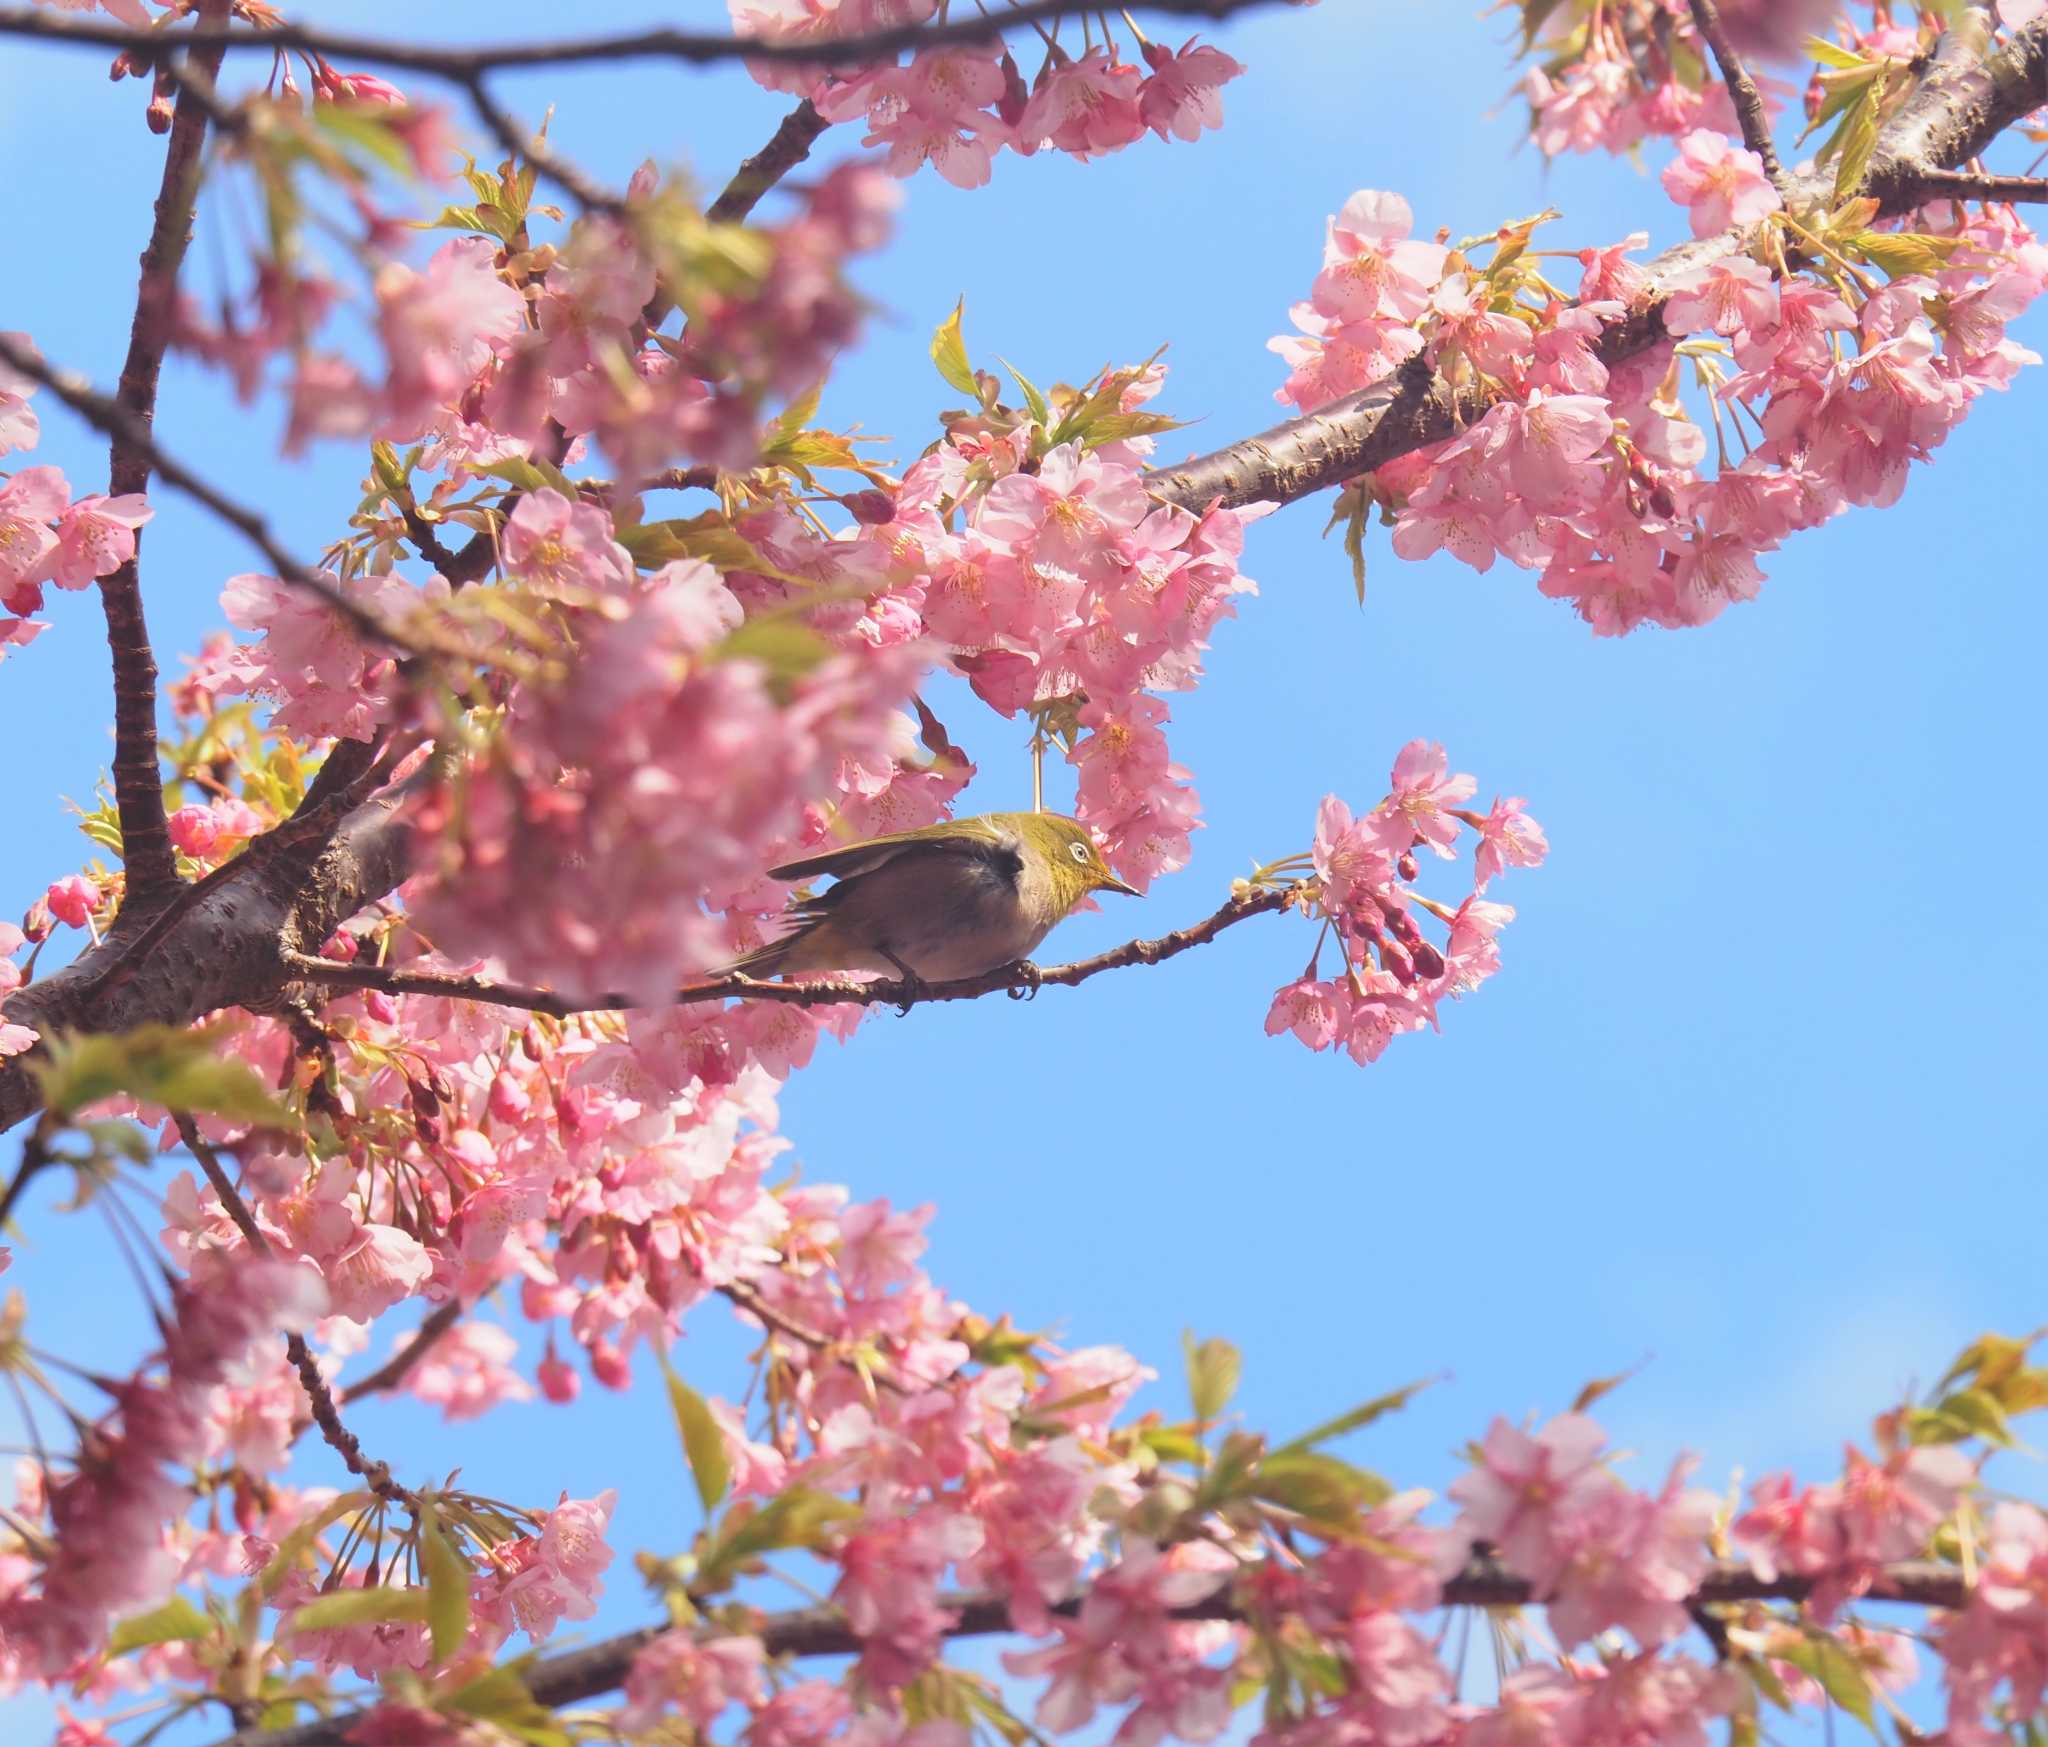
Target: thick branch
1958 110
147 47
822 1631
1748 100
151 863
832 992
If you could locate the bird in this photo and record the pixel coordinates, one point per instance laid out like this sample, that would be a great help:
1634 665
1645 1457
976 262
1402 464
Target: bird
937 904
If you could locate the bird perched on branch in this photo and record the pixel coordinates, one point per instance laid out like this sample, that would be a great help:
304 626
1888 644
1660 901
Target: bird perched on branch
939 903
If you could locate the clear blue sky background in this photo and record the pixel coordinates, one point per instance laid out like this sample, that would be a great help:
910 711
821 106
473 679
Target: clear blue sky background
1755 1102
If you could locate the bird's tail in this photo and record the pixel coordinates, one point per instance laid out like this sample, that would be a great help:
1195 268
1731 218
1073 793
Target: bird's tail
775 958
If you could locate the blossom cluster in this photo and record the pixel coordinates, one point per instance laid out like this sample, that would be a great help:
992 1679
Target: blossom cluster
1392 978
47 536
956 107
1586 468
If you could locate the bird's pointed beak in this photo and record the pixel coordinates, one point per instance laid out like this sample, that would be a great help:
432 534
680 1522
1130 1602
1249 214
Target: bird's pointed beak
1113 884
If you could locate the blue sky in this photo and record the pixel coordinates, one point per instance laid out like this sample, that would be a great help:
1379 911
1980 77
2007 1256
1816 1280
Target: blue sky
1749 1104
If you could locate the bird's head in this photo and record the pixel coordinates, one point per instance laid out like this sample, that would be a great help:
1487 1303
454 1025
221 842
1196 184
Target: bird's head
1072 862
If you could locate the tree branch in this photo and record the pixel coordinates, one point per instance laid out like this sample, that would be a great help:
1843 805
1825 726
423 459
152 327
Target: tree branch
1748 100
374 1474
1958 110
398 1367
1976 185
582 1674
152 864
832 992
789 145
523 142
149 47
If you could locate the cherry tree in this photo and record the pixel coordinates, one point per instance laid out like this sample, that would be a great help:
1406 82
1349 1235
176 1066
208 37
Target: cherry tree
402 925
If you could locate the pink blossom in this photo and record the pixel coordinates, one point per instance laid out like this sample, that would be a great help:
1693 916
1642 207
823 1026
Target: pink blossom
557 546
558 1574
1183 95
1419 808
1720 183
468 1371
1525 1492
29 502
96 537
1508 837
696 1680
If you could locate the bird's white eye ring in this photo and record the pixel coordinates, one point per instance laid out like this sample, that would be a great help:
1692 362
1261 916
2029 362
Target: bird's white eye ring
1079 851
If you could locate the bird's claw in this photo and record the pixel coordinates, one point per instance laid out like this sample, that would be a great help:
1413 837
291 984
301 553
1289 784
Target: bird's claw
1028 979
910 990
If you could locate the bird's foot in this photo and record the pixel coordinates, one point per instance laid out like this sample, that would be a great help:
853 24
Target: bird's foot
1026 980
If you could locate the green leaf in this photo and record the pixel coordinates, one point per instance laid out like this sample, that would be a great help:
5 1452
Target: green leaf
801 1517
364 126
176 1622
1840 1675
1033 399
358 1607
949 353
1213 1369
786 649
1326 1490
1114 427
1171 1443
1856 139
502 1698
1230 1474
1360 1416
703 1442
166 1065
448 1578
460 218
1535 14
297 1544
1902 252
1979 1410
1834 55
530 475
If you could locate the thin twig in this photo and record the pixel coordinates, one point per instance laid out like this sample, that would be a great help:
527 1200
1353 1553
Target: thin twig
395 1369
151 862
374 1474
555 1681
149 47
1749 101
788 147
1976 185
522 142
837 991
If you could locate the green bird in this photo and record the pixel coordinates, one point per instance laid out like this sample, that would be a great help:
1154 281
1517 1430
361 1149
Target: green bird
939 903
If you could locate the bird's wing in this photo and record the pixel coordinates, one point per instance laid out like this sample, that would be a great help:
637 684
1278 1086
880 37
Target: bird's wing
980 838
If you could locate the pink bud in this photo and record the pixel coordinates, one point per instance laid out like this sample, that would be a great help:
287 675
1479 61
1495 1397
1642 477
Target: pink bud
610 1367
559 1380
72 899
380 1006
509 1101
193 830
341 946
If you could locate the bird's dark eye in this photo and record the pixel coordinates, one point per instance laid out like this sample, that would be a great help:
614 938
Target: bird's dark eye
1079 851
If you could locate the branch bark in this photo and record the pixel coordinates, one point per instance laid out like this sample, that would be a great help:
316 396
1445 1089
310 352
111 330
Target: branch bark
583 1674
149 47
151 863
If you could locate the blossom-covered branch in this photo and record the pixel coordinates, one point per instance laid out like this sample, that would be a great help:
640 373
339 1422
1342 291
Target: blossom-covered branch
1963 104
462 64
823 992
579 1675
